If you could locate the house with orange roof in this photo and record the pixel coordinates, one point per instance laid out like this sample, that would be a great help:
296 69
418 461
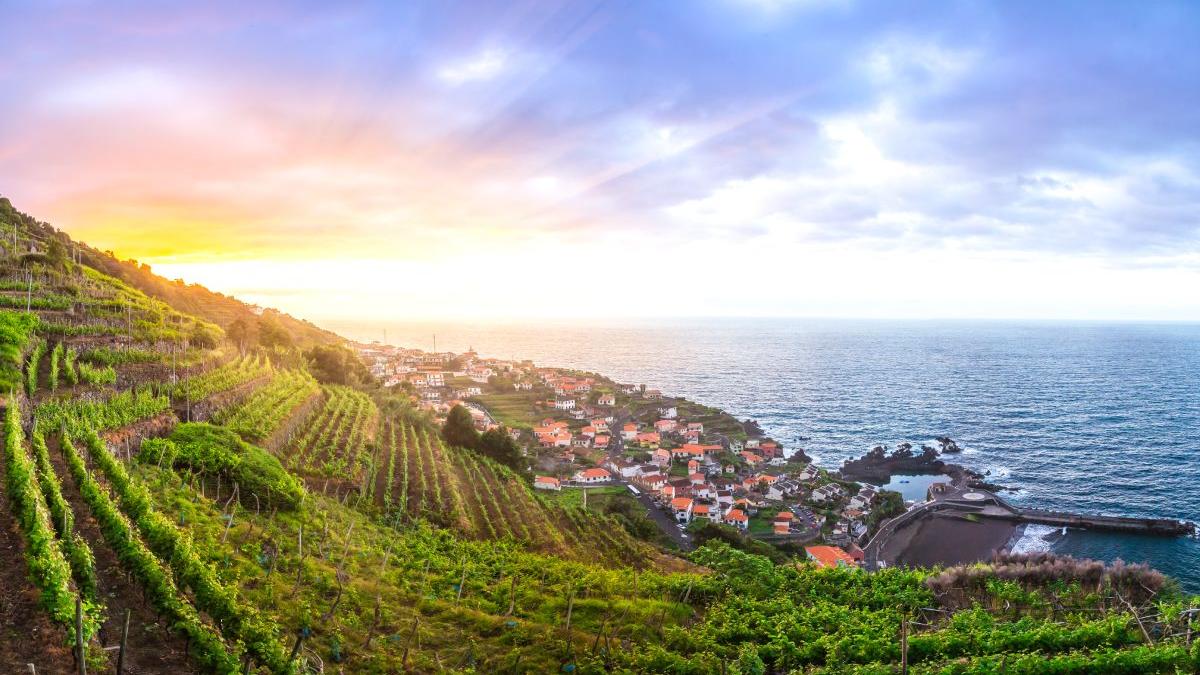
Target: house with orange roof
738 519
629 431
547 483
651 481
784 516
682 508
601 425
751 458
600 441
694 451
781 527
693 465
830 557
697 478
648 439
665 426
594 475
701 511
696 426
560 439
588 431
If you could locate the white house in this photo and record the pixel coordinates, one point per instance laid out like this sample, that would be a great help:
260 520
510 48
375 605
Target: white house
565 404
592 476
546 483
682 508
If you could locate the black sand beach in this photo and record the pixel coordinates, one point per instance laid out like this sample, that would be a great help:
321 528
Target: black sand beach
945 539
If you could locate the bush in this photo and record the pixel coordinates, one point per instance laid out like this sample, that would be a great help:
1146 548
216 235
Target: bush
214 450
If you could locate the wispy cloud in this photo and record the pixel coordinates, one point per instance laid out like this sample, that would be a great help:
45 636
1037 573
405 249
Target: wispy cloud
1014 138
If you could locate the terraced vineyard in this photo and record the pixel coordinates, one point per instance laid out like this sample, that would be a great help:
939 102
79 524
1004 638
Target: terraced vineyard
263 412
237 372
419 477
335 444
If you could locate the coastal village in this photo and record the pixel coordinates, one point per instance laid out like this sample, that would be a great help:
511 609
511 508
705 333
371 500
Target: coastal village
689 465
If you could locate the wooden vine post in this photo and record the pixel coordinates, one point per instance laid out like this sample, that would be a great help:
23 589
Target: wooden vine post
512 597
412 633
79 642
124 644
904 645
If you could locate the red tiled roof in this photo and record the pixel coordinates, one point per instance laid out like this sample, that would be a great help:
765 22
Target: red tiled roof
828 556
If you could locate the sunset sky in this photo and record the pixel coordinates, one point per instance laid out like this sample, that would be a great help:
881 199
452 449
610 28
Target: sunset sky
592 159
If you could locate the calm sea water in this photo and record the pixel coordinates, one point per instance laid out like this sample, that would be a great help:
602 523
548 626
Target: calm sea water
1098 418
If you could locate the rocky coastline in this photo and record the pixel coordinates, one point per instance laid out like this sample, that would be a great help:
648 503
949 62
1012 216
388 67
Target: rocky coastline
878 465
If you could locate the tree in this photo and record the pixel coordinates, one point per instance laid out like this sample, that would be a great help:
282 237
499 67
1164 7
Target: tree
204 335
56 254
496 444
334 364
239 333
459 429
272 334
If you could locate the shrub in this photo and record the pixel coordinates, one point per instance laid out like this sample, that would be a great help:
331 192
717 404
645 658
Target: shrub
213 450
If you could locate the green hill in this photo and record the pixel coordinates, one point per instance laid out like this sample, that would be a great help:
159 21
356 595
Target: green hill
248 514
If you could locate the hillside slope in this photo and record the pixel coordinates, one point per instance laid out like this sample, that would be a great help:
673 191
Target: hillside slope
193 299
249 518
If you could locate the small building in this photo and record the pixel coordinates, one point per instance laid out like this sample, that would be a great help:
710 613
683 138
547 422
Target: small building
546 483
629 432
564 404
682 508
596 475
829 557
648 439
606 399
738 519
665 426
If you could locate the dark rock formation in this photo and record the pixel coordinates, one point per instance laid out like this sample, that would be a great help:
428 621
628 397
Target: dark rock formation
878 466
752 429
947 444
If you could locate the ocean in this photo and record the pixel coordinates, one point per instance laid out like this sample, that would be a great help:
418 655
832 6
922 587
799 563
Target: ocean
1090 417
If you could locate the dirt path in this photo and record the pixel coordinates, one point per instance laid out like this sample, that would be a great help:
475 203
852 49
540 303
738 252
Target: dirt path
152 647
26 634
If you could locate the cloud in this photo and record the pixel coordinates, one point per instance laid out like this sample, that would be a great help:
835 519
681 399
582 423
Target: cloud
1026 138
485 66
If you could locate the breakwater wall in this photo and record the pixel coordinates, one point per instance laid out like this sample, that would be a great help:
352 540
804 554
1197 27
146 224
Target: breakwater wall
1156 526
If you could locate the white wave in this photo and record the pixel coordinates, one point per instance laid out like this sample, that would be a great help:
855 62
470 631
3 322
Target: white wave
999 472
1035 539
